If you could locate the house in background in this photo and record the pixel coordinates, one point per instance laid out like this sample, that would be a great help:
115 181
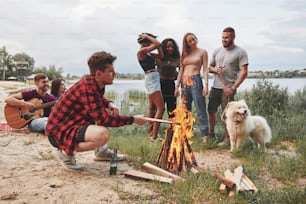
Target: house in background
22 70
30 80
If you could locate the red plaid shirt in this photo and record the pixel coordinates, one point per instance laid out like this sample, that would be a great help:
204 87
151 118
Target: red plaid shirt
82 104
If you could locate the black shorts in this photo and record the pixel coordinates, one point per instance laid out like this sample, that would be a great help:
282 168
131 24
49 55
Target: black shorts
217 98
80 138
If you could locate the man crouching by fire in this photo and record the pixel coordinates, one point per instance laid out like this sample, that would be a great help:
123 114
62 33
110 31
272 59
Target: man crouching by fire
79 120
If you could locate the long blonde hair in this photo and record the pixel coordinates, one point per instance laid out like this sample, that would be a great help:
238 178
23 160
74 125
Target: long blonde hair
186 49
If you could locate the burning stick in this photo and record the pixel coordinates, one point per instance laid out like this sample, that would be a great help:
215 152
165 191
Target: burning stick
161 121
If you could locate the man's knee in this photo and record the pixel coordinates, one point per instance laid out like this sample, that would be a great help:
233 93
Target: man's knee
95 132
38 125
103 133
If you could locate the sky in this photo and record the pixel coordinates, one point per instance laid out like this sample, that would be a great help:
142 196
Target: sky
65 33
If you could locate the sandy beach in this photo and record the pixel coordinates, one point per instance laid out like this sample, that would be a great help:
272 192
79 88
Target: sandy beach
29 174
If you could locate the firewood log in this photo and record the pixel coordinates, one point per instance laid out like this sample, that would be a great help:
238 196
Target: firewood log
229 183
231 193
222 188
164 153
249 183
150 168
238 177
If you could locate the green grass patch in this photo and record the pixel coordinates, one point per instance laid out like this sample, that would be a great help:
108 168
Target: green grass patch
285 114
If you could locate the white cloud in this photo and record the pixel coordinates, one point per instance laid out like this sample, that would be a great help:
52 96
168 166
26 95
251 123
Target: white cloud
292 50
66 33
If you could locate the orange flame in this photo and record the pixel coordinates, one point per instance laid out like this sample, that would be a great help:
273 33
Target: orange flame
176 153
187 80
181 132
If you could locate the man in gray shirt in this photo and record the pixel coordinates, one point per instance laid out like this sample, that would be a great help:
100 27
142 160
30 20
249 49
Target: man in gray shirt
230 66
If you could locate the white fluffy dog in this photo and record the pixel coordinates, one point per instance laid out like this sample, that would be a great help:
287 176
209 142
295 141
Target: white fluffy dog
241 124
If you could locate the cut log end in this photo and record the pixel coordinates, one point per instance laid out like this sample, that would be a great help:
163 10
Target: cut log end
222 188
229 183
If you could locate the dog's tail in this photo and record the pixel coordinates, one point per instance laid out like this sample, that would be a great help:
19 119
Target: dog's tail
267 130
268 134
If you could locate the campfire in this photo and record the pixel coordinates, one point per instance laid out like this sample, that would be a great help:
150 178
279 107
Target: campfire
176 154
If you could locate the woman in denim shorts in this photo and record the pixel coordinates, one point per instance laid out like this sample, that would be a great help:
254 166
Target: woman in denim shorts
146 59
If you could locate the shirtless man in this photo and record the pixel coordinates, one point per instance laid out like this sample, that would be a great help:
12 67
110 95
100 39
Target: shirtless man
192 60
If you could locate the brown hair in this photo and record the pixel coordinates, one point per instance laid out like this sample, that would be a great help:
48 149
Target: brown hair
40 76
55 85
99 60
229 30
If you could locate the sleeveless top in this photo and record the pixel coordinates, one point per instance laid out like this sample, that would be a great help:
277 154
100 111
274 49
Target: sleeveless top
147 63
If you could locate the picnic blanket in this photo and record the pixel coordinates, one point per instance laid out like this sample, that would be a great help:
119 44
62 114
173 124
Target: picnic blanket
5 127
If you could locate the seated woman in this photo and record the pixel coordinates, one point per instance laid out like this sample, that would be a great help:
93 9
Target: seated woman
58 87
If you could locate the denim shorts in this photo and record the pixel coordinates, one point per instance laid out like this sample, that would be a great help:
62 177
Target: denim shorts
152 82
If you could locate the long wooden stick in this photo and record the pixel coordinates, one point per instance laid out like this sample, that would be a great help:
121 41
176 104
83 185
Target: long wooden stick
162 121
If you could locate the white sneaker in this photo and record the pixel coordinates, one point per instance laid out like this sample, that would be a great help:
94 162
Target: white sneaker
223 143
67 161
107 155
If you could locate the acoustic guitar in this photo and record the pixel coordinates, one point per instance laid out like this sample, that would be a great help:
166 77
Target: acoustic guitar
18 117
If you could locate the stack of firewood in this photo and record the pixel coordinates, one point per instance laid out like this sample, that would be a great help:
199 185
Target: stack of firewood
176 154
232 183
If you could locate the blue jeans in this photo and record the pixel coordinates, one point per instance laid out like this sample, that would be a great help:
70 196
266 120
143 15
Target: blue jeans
38 125
194 93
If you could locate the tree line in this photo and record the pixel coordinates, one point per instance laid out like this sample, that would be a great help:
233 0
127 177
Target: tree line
21 65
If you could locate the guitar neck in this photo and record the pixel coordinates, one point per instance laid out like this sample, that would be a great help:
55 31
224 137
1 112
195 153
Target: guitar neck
45 105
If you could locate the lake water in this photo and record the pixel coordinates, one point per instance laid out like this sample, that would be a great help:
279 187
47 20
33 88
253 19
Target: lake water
292 84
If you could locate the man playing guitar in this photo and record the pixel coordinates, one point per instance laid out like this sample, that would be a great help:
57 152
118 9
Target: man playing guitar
25 102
